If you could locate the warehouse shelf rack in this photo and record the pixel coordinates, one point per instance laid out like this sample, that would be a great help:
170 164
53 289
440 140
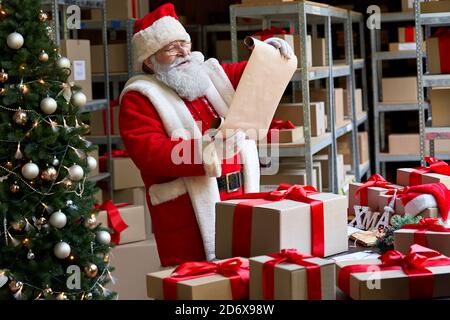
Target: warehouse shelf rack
300 14
58 8
425 80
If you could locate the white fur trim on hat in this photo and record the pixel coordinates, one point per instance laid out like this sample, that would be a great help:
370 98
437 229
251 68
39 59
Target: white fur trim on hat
148 41
420 203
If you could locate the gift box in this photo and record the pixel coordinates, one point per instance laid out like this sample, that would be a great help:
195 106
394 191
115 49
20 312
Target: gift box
421 274
224 280
287 175
439 98
283 131
400 144
132 262
363 146
438 46
407 34
411 176
294 113
126 221
290 275
98 122
427 232
434 6
403 89
293 217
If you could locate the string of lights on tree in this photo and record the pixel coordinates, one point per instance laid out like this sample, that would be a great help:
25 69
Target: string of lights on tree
56 181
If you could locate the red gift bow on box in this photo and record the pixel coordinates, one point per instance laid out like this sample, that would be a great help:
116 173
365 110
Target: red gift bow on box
435 166
243 216
291 256
424 225
414 264
269 33
235 269
279 125
115 220
444 47
375 180
116 153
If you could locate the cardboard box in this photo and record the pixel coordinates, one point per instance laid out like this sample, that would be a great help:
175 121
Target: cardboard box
406 46
294 113
117 58
133 216
434 6
404 144
442 146
402 89
358 103
404 173
291 280
132 262
345 147
223 50
294 163
324 165
97 122
363 144
284 224
436 64
125 174
78 52
285 135
208 287
408 5
407 34
122 10
319 52
289 176
372 196
96 171
392 284
440 107
439 241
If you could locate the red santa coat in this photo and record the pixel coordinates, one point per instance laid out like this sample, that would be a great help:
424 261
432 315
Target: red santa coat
181 198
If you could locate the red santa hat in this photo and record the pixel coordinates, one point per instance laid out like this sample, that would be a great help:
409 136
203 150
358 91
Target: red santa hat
154 31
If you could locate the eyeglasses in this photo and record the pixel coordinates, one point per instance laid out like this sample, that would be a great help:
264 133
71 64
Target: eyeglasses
175 47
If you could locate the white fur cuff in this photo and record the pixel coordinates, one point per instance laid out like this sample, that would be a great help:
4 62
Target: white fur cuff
211 161
163 192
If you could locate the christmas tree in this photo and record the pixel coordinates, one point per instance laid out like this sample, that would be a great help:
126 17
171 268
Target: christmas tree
51 246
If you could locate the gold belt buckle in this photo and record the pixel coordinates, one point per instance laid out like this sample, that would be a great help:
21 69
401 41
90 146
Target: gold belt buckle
228 181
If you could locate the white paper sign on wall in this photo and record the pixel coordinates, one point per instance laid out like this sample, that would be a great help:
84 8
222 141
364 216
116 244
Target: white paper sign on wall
79 70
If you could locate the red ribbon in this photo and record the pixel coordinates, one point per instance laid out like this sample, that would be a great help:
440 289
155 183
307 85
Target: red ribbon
269 33
414 264
435 166
134 9
115 220
424 225
279 125
112 104
410 34
242 220
375 180
235 269
444 47
291 256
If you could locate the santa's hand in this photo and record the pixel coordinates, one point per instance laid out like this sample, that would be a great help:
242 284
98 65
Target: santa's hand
284 47
217 149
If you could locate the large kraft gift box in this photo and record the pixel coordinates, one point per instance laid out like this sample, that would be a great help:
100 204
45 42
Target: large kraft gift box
403 89
245 228
223 280
133 216
288 175
79 54
291 281
294 113
132 262
440 98
427 232
407 177
367 279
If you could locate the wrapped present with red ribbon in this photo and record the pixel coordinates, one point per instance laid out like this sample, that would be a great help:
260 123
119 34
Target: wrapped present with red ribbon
438 47
422 273
407 34
437 171
223 280
127 222
284 131
428 232
291 275
293 216
366 194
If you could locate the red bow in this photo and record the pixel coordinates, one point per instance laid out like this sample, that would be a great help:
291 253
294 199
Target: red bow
116 153
235 269
269 33
281 124
115 220
435 166
375 180
292 256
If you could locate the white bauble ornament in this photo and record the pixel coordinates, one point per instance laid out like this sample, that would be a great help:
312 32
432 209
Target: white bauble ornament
61 250
76 173
91 162
58 219
30 171
63 63
15 40
48 105
78 99
55 161
103 237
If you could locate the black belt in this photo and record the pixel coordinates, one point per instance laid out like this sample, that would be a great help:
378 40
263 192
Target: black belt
230 182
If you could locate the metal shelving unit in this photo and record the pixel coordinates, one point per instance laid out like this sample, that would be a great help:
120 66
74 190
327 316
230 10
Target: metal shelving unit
425 80
301 14
58 8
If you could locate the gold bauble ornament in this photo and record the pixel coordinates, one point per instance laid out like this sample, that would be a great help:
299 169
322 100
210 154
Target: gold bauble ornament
49 174
91 270
3 76
106 258
20 117
43 56
91 222
61 296
42 16
23 88
18 225
67 183
28 135
9 165
15 286
14 188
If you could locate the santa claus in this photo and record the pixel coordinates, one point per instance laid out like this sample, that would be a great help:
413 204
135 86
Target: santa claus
164 118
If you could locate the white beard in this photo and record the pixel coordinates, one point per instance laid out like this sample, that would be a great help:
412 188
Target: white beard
190 80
